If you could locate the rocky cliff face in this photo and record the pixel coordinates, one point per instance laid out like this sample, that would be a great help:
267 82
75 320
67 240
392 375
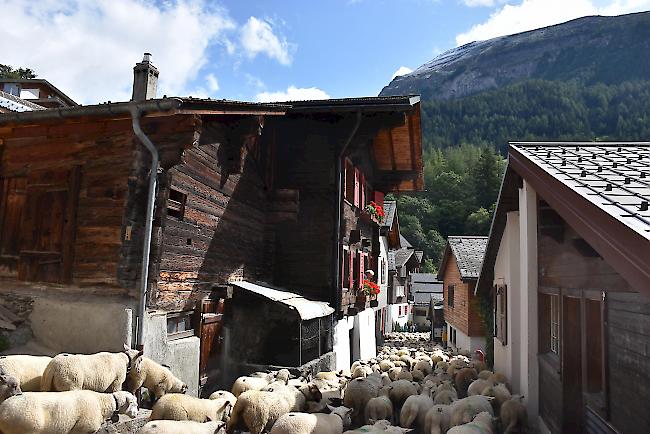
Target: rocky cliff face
590 49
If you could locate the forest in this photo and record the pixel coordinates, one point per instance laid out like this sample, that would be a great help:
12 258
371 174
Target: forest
465 145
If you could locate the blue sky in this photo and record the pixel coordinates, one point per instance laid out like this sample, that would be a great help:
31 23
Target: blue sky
259 50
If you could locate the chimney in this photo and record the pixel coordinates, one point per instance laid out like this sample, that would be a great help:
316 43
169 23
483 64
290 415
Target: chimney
145 79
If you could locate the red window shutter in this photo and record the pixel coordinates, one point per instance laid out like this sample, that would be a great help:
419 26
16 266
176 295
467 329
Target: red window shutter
362 202
351 271
342 265
356 186
379 198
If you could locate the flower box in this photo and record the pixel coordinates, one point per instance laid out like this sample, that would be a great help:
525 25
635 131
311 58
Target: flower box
374 303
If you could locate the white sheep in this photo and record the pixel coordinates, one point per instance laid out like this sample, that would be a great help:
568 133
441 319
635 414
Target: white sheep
101 372
464 410
379 407
478 386
315 423
27 370
181 427
513 415
500 393
423 366
258 410
242 384
437 419
176 406
357 394
9 386
77 411
417 375
400 390
223 394
415 409
482 423
156 378
380 427
386 365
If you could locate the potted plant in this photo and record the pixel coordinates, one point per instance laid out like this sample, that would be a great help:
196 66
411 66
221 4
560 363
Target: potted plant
375 212
370 290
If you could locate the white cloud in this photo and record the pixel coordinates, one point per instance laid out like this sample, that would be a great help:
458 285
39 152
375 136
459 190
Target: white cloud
402 70
213 83
253 81
88 48
533 14
257 37
292 94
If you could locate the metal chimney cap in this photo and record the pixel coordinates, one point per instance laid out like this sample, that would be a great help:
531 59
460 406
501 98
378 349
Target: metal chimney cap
147 57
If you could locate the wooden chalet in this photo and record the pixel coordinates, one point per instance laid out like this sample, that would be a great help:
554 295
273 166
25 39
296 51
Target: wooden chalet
568 266
246 192
459 270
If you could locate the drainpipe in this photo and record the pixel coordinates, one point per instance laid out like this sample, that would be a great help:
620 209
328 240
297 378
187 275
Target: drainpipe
337 250
151 198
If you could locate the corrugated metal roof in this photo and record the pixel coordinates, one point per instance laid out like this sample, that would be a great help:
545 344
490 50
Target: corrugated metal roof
469 252
613 176
306 309
16 104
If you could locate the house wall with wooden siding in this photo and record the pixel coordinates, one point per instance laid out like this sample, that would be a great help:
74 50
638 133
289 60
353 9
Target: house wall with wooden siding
464 314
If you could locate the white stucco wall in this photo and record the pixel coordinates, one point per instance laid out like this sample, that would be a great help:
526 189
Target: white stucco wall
507 358
382 298
363 345
342 342
394 316
464 342
364 326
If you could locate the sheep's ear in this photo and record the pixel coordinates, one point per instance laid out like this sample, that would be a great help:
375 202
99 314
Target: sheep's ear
331 408
140 354
126 347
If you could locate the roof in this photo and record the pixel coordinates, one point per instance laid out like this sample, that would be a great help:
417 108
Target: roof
390 208
165 106
60 94
424 278
404 242
306 309
468 251
371 103
601 190
16 104
432 287
402 256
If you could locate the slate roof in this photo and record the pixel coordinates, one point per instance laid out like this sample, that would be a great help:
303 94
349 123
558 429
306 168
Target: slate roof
404 242
613 176
402 256
468 252
390 208
432 287
424 277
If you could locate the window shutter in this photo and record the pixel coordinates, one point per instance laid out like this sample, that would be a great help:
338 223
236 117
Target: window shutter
362 201
356 187
342 265
351 275
349 180
362 264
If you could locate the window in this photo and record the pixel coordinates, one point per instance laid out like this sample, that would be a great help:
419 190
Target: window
501 313
349 181
176 204
357 186
554 328
179 325
450 295
346 267
355 271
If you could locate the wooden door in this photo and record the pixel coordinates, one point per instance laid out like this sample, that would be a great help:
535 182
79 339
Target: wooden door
572 420
48 226
12 203
210 334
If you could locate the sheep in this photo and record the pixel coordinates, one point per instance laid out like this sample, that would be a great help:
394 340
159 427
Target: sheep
380 427
500 393
378 408
464 410
386 365
482 423
498 377
258 410
394 372
404 375
415 409
316 423
9 386
437 419
27 370
77 411
100 372
181 427
478 386
176 406
442 365
399 391
361 371
358 392
424 367
158 379
485 375
242 384
513 415
417 375
223 394
463 379
445 397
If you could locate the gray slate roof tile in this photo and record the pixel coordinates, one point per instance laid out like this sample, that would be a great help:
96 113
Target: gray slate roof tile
469 252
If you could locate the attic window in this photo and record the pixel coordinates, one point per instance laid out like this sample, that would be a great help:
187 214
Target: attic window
176 204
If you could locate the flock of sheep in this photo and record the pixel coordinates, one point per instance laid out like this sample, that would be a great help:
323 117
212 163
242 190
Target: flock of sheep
399 391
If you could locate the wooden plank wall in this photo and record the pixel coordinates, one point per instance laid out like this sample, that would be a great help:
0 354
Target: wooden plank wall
103 150
222 233
464 315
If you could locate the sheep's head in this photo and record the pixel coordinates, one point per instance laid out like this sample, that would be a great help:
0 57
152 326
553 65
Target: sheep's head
126 403
8 386
313 393
344 413
135 360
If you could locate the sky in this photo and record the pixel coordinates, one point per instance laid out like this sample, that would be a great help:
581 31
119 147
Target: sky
259 50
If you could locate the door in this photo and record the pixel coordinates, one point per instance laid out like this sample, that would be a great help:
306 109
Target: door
48 226
572 420
211 325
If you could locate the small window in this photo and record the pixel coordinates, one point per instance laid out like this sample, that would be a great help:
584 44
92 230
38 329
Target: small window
501 314
176 204
179 325
450 295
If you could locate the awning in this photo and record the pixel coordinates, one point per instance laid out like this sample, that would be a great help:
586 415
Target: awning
307 309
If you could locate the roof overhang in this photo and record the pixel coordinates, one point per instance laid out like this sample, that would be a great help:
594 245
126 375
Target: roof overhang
306 309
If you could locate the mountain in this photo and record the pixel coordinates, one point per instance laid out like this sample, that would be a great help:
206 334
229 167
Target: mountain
590 50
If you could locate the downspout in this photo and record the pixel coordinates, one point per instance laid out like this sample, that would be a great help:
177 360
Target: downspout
337 234
151 198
